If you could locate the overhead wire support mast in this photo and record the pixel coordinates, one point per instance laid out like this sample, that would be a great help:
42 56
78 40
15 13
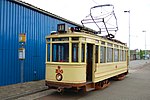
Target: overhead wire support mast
129 32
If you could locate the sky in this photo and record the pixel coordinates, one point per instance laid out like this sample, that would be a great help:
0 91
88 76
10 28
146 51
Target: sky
76 10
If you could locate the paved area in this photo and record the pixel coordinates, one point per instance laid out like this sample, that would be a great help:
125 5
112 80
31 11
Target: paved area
137 63
17 90
134 87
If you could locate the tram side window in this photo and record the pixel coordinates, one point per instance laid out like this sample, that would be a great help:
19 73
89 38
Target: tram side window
83 52
102 54
96 54
121 55
60 52
116 55
124 57
109 54
74 52
48 52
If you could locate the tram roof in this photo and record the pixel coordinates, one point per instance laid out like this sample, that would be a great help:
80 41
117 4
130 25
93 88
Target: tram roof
83 34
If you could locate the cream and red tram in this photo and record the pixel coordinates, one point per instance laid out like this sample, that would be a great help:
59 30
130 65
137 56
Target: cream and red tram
81 60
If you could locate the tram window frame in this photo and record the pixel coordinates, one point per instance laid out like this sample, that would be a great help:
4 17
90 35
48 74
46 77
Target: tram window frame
61 54
76 53
48 52
96 53
116 55
102 54
109 54
83 53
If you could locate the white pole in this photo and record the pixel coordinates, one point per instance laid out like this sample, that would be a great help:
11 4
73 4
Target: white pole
145 44
129 34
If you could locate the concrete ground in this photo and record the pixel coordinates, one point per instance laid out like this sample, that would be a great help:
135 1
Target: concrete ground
11 92
135 87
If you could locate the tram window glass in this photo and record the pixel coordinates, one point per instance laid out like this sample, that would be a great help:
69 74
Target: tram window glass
60 52
48 39
74 52
109 54
75 38
124 57
48 52
116 46
96 41
102 42
121 47
55 39
110 44
120 55
116 55
83 52
60 39
102 54
96 54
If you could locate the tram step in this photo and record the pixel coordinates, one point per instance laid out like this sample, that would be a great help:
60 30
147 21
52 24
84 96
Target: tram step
89 89
90 86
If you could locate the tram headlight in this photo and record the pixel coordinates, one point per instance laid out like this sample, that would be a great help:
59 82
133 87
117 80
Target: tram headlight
59 77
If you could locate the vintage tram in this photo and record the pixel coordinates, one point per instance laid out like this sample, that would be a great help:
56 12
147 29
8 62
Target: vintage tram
81 60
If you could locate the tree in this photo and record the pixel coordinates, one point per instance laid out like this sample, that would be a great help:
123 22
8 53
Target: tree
141 53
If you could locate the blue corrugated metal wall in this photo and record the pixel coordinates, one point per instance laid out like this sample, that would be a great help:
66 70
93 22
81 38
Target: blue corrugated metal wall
15 19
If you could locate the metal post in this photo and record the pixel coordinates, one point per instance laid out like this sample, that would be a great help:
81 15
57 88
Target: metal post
145 44
22 41
129 33
22 66
22 71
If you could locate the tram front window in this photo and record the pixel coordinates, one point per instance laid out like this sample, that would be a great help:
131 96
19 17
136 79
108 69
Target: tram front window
60 52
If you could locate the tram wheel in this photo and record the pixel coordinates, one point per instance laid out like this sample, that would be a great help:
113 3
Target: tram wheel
119 77
102 84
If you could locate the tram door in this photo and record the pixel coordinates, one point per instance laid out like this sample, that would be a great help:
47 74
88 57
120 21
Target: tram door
89 62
